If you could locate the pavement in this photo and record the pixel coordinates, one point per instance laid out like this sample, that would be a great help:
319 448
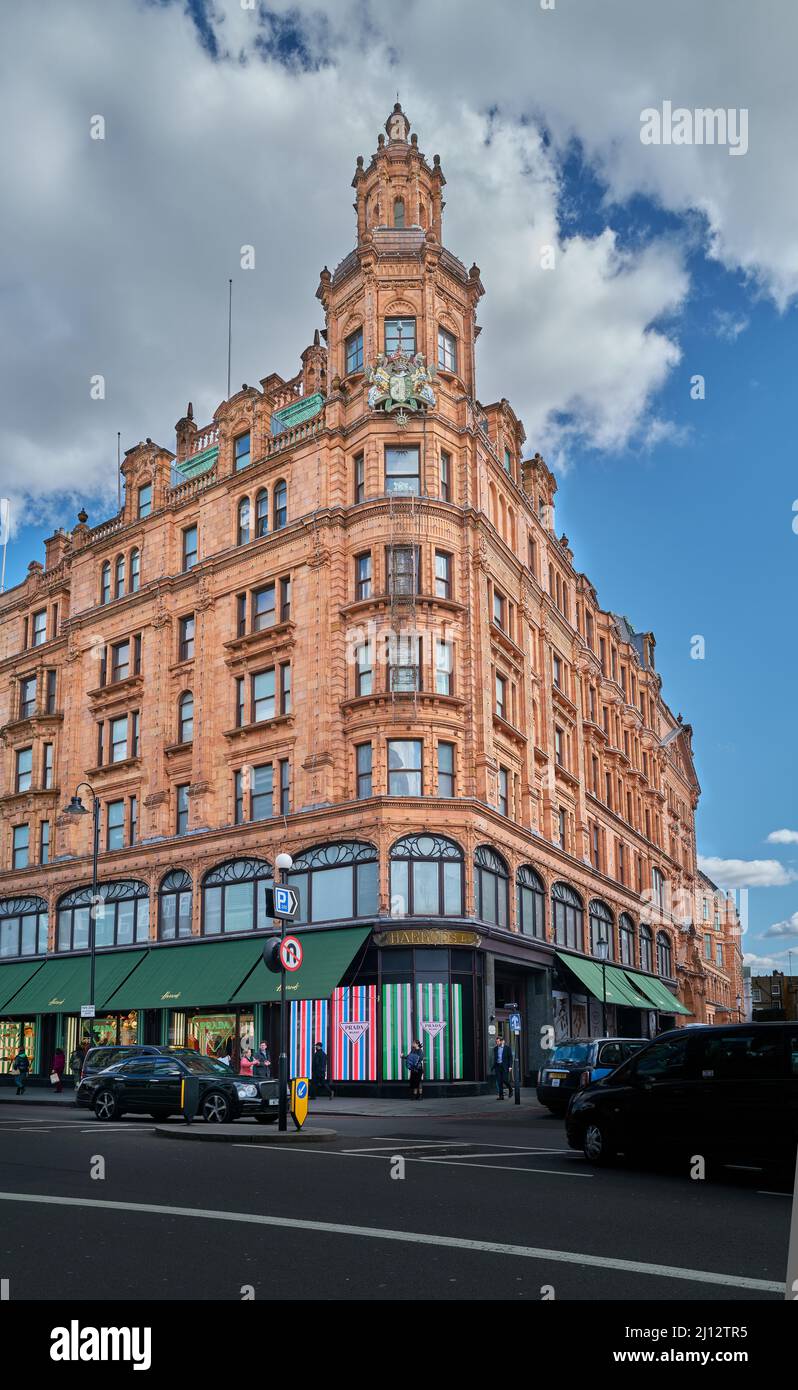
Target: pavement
401 1107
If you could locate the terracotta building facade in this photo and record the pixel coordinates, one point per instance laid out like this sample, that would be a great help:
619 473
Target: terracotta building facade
338 621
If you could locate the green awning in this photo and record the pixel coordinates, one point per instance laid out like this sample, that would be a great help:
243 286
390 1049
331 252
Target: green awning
179 977
62 984
619 990
657 993
13 977
326 956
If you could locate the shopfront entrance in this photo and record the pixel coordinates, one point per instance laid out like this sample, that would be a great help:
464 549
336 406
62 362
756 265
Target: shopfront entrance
13 1035
212 1033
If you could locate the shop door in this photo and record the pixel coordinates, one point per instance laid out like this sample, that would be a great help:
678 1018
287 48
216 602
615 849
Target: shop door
48 1043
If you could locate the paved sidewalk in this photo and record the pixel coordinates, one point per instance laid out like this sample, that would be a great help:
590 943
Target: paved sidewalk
36 1096
399 1107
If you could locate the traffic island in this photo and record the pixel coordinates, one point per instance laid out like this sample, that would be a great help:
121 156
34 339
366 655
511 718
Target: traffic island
245 1134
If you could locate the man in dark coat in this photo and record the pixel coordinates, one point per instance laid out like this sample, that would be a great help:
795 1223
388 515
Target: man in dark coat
502 1067
318 1072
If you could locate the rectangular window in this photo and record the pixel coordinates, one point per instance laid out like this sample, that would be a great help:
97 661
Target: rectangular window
363 769
115 825
402 564
241 615
445 769
621 863
404 767
47 766
19 853
181 804
561 828
24 777
501 696
27 697
595 845
444 667
443 574
189 548
508 461
50 692
403 470
118 740
447 351
137 654
499 610
363 576
39 628
242 453
285 599
145 500
719 955
263 696
353 349
133 820
364 670
285 688
261 792
238 781
400 336
404 663
44 842
239 702
446 476
557 672
285 786
187 638
504 798
120 661
360 478
263 608
658 887
559 747
135 730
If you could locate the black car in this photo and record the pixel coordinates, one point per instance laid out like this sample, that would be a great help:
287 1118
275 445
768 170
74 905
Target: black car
579 1062
153 1084
728 1093
109 1054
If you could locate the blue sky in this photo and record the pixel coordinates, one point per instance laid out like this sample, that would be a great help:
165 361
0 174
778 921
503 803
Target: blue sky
243 127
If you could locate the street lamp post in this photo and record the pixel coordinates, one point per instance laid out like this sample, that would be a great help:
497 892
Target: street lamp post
76 808
602 951
283 863
739 1009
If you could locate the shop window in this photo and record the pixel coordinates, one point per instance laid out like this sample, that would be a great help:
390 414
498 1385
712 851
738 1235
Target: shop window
234 897
336 881
531 902
426 877
568 916
174 905
23 927
121 916
491 882
601 923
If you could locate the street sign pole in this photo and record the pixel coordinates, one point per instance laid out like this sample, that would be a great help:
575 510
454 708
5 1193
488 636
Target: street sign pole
282 1112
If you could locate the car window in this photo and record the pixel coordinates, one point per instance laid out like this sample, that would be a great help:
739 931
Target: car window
139 1065
663 1061
794 1054
610 1054
103 1057
630 1048
743 1056
167 1069
571 1052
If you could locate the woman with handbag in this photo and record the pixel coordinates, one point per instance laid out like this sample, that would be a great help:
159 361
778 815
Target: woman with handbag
57 1070
414 1061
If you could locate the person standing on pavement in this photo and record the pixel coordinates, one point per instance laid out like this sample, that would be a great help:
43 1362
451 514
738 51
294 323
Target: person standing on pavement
318 1073
263 1061
502 1067
414 1061
21 1066
247 1062
57 1070
76 1060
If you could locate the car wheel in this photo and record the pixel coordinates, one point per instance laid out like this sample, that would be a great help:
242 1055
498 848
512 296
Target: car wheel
106 1105
216 1108
596 1145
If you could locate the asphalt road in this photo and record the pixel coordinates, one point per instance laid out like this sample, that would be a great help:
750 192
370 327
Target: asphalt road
493 1207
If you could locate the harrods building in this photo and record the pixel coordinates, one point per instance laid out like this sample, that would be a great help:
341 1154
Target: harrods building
337 620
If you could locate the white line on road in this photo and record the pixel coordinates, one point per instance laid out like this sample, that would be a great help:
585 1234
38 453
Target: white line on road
484 1247
386 1158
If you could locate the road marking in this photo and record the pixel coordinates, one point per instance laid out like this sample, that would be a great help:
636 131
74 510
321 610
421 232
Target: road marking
497 1168
386 1157
484 1247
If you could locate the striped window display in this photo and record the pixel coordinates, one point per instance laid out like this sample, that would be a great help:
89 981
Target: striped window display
353 1037
309 1018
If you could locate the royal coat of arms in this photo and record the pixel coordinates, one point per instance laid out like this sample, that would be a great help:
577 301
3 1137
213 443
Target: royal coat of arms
400 382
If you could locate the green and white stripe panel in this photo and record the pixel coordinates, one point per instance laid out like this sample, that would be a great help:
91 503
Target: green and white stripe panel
457 1032
397 1030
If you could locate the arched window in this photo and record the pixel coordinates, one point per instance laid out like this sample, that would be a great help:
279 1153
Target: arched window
119 576
664 955
601 923
174 905
135 570
336 881
427 877
121 915
243 521
646 954
569 916
399 212
280 505
23 927
185 717
531 901
105 583
626 939
262 513
492 882
234 897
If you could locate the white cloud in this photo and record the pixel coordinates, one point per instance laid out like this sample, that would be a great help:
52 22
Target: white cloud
762 965
783 837
746 873
786 928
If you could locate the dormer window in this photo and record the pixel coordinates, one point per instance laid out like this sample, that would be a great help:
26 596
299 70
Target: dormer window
399 213
145 500
241 452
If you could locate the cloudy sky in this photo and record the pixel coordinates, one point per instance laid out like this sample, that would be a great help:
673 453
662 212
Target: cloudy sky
230 123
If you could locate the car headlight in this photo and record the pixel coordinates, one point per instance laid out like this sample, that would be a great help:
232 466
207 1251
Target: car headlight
247 1092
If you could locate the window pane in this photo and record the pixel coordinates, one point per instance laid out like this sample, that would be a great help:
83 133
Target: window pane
125 914
213 911
367 890
80 934
168 916
425 889
238 907
452 888
399 903
332 893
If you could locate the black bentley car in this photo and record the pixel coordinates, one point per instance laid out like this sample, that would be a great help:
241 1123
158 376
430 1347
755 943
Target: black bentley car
154 1085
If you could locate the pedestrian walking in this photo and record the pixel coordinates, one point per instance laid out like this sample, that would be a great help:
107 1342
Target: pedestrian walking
263 1061
318 1072
502 1067
21 1066
414 1061
76 1059
57 1070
